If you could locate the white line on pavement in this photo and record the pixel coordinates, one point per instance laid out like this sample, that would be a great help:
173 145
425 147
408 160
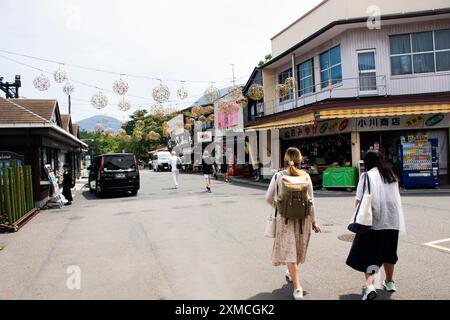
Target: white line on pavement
433 244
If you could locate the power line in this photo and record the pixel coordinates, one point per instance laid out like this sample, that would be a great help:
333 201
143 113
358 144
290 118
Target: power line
131 75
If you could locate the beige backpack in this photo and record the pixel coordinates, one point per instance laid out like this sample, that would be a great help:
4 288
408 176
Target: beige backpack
292 200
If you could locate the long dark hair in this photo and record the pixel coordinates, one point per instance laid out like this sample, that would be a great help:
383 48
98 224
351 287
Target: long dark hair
375 159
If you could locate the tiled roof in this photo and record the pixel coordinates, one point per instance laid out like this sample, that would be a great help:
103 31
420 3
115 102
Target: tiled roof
65 120
43 107
11 112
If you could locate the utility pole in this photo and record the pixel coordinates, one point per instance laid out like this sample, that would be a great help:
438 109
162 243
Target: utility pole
232 70
11 89
69 105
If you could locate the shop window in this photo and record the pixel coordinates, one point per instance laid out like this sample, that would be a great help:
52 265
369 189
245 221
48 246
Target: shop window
420 52
305 75
330 67
281 79
367 71
442 42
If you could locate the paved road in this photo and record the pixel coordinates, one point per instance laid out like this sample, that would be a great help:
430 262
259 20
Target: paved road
187 244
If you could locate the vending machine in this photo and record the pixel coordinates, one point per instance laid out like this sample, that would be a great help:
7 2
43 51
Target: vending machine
419 162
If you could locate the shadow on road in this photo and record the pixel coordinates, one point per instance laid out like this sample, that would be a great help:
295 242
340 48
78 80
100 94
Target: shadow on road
382 295
112 195
283 293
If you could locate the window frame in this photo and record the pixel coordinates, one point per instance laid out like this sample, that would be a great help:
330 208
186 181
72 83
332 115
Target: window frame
367 71
411 54
329 68
290 95
299 80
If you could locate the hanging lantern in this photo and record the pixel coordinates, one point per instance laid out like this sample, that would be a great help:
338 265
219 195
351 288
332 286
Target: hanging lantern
60 76
41 82
122 132
120 87
99 100
182 93
211 94
188 127
289 83
153 136
139 114
281 90
140 124
68 88
138 135
157 110
256 92
109 132
98 127
124 105
235 92
196 111
161 93
202 119
211 117
242 102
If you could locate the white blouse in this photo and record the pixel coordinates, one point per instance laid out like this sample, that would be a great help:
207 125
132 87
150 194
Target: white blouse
271 192
387 208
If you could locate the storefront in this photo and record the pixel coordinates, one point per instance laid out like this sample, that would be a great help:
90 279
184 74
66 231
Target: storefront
343 142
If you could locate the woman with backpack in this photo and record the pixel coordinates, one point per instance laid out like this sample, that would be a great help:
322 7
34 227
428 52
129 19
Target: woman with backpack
378 246
294 216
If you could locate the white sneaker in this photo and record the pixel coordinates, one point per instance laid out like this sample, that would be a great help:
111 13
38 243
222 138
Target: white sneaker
298 294
369 293
389 286
288 276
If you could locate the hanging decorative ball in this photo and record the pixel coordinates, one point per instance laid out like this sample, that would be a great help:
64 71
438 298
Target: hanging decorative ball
158 110
182 93
99 100
188 127
196 111
122 132
98 127
124 105
153 136
211 94
202 119
256 92
140 124
289 83
109 132
139 114
68 88
161 93
211 117
41 82
242 102
235 92
138 135
60 75
191 121
281 90
120 87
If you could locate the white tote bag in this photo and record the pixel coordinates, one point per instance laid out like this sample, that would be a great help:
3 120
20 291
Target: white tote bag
269 232
362 218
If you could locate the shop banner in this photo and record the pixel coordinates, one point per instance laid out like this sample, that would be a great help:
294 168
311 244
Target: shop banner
339 126
321 128
427 121
229 120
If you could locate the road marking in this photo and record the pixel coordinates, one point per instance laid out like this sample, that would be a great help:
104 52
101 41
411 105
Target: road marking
433 244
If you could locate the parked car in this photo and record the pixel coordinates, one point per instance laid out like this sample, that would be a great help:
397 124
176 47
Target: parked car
114 172
161 161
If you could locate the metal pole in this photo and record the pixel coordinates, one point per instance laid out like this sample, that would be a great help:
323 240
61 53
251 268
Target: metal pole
234 79
69 105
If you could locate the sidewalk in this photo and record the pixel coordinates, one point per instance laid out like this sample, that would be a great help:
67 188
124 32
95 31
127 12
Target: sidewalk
80 184
442 190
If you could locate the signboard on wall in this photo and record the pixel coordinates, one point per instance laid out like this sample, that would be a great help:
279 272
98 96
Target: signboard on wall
204 136
229 120
176 125
7 156
339 126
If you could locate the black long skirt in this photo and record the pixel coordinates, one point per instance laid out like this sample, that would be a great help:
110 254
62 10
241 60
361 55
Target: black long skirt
373 248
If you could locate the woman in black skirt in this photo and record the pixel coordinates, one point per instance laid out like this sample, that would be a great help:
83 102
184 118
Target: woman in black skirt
67 184
378 246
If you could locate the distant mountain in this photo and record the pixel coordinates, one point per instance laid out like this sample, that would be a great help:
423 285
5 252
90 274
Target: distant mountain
106 122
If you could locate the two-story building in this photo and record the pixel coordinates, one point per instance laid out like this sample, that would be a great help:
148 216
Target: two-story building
364 76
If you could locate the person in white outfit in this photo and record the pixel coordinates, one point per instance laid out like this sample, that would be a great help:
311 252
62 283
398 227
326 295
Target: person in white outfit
174 162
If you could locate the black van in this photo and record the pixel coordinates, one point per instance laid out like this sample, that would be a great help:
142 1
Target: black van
114 172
